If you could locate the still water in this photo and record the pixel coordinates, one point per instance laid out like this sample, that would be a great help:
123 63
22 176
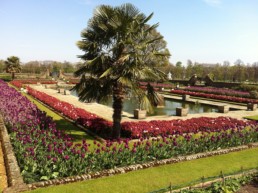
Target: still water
168 109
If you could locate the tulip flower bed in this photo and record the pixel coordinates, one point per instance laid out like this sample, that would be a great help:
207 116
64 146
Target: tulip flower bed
94 123
218 91
179 127
214 96
19 83
43 152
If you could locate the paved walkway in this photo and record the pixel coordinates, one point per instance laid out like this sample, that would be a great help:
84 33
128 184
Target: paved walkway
208 102
3 178
98 109
107 112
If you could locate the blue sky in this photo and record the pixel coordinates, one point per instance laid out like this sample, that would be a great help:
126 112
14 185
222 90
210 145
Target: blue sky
210 31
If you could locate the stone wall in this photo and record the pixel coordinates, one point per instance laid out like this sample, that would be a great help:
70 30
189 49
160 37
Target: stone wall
14 178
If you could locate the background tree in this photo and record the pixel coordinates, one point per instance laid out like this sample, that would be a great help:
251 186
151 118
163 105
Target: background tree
254 68
119 52
161 46
12 65
239 71
179 71
32 67
68 67
2 66
226 71
189 69
197 69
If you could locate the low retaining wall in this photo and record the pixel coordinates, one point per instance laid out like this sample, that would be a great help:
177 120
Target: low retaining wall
14 178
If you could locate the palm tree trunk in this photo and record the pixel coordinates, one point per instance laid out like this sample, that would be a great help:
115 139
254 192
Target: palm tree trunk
117 106
13 75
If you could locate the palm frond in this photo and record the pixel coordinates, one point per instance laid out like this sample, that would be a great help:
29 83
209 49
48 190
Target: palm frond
92 89
146 104
153 40
106 73
154 26
148 18
81 71
126 82
128 10
154 97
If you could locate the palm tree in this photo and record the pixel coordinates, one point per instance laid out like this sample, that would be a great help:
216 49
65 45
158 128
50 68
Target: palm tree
116 45
12 65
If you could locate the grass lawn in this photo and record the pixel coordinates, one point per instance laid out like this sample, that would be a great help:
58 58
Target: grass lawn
151 179
6 77
76 133
255 118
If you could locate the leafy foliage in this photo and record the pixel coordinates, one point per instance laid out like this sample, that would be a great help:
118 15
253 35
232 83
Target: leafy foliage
13 65
230 185
119 50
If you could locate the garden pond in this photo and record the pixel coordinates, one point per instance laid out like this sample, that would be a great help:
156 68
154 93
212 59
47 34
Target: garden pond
168 109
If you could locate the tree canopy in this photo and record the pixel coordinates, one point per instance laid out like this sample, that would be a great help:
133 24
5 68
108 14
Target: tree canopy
119 51
12 65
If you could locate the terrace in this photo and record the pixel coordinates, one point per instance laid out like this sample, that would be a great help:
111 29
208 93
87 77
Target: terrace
184 134
107 112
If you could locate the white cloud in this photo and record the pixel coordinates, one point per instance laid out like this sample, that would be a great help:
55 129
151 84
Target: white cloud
213 2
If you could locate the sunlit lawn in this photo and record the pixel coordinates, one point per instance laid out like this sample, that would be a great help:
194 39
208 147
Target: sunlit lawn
151 179
255 118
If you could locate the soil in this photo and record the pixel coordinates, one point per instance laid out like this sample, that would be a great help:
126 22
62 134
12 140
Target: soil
251 188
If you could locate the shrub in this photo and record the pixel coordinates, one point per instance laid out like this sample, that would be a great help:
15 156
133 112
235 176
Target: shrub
248 88
254 94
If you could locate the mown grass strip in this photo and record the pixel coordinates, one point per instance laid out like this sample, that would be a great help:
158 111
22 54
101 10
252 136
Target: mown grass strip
160 177
255 118
69 128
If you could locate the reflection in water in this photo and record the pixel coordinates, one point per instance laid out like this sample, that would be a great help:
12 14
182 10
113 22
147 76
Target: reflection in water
168 109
